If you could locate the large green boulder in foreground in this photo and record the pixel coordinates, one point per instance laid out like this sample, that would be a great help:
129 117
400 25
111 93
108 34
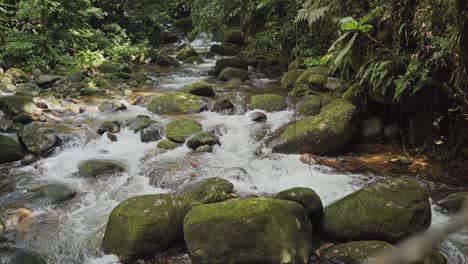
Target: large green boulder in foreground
10 150
142 226
268 102
357 252
325 133
181 129
206 187
306 197
177 103
100 167
15 105
289 79
389 210
248 231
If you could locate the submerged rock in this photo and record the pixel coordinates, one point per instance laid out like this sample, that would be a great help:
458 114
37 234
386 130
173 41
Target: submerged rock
201 89
306 197
10 150
204 148
390 210
268 102
357 252
200 190
201 139
181 129
100 167
142 226
248 231
177 103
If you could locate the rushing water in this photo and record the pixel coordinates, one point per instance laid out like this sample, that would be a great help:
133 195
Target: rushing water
73 234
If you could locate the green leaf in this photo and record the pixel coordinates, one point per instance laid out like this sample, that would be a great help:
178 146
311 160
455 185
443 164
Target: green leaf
349 24
338 41
345 51
371 15
366 28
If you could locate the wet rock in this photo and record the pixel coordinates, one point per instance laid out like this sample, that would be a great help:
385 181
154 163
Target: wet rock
51 194
165 60
313 104
357 252
268 102
46 80
392 132
139 123
180 130
204 149
152 133
390 210
306 197
177 103
30 159
142 226
186 53
166 144
10 150
8 88
200 89
216 198
200 190
225 49
18 75
100 167
454 202
111 136
23 118
223 106
258 117
109 126
15 105
234 36
372 129
194 60
230 62
248 231
325 133
230 73
305 78
202 138
39 139
112 107
15 218
289 79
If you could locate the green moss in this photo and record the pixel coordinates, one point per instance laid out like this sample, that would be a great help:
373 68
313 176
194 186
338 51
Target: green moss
39 139
200 89
356 95
389 210
181 129
357 252
234 36
216 198
142 226
204 148
177 103
15 105
200 190
166 144
230 73
248 231
186 53
223 105
289 79
225 49
268 102
230 62
297 64
10 150
109 126
317 82
202 138
306 197
95 168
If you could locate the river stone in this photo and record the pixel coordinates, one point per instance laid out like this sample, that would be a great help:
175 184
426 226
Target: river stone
112 107
248 231
200 89
23 118
39 139
51 194
230 62
223 106
289 79
142 226
186 53
181 129
165 60
358 252
258 117
216 198
18 75
15 105
202 138
268 102
152 133
234 36
204 149
177 103
230 73
372 129
390 210
140 122
306 197
30 159
194 60
99 167
313 104
305 77
109 126
10 150
166 144
325 133
46 80
201 189
454 202
225 49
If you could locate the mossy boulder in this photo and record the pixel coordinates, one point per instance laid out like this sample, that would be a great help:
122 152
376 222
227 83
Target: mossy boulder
181 129
23 118
109 67
315 77
454 202
18 75
225 49
234 36
194 60
313 104
357 252
230 62
200 190
177 103
390 210
46 80
165 60
167 144
216 198
109 126
15 105
201 139
306 197
298 63
152 133
230 73
140 122
248 231
50 194
372 129
186 53
223 105
142 226
204 149
357 95
200 89
10 150
268 102
112 107
39 139
325 133
100 167
289 79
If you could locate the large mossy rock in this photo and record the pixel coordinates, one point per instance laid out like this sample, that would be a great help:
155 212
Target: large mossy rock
325 133
181 129
268 102
200 89
177 103
306 197
166 144
454 202
230 73
289 79
39 139
234 36
165 60
313 104
201 139
99 167
248 231
358 252
225 49
230 62
10 150
202 189
15 105
142 226
186 53
389 210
